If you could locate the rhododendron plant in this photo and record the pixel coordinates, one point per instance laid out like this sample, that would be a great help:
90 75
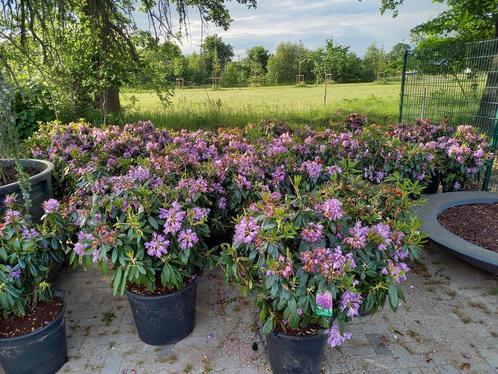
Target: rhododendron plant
315 261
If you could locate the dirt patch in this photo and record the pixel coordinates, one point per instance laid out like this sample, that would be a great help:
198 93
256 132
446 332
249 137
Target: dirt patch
476 223
32 320
8 174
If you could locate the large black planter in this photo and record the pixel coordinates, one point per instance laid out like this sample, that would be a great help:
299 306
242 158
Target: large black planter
469 252
296 354
433 186
41 185
165 319
41 352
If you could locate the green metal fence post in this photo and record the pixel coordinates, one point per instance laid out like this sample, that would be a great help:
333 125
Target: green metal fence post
494 143
403 79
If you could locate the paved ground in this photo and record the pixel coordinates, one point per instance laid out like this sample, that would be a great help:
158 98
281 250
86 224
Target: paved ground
449 325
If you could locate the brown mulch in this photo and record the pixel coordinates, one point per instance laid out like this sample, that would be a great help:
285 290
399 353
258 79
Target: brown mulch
9 174
476 223
43 314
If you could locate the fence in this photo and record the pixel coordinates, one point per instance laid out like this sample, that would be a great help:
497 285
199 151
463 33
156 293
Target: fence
458 84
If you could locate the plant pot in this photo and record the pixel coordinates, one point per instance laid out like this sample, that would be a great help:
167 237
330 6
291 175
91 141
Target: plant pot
433 186
296 354
164 319
41 185
43 351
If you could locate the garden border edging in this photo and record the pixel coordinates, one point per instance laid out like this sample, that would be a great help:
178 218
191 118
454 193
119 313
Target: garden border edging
471 253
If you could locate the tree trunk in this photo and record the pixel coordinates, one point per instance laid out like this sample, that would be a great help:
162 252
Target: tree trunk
108 101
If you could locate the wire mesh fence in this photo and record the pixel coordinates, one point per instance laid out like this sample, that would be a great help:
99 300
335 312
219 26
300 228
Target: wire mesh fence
458 84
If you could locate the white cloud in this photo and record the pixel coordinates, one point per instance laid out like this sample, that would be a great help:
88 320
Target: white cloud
350 22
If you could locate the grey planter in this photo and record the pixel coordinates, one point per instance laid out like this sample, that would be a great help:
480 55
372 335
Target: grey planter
471 253
41 185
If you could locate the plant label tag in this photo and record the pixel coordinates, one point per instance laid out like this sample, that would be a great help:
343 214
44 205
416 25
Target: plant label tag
324 304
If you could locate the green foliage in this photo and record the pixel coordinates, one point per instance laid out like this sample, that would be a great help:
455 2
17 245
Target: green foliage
27 252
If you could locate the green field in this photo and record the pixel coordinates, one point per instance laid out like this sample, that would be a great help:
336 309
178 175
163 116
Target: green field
206 108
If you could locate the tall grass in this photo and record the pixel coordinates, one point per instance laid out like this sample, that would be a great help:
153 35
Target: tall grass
201 108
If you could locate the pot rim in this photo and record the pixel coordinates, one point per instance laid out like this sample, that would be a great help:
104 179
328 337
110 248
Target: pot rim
39 331
158 297
45 166
281 335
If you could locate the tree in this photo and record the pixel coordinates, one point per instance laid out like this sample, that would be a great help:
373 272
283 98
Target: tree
289 60
196 69
85 48
468 19
337 60
394 59
374 61
256 64
232 75
214 48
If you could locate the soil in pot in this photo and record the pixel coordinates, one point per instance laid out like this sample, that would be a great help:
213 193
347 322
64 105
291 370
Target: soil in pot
296 354
483 230
163 318
9 174
42 349
44 313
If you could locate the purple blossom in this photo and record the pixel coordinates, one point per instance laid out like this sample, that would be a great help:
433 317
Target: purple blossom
11 216
14 273
174 218
158 246
383 232
396 270
333 170
350 302
187 239
200 213
358 238
313 168
246 231
222 204
50 206
313 233
29 234
332 209
139 173
9 200
335 339
324 300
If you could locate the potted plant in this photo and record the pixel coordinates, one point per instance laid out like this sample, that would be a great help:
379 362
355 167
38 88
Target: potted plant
153 244
466 154
29 179
32 328
314 264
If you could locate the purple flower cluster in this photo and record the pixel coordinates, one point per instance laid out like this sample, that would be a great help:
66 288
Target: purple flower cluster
158 246
313 233
335 338
396 270
246 231
50 206
330 263
174 217
187 239
350 303
358 236
332 209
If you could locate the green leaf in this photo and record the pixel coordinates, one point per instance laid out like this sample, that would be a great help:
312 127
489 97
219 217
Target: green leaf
268 326
393 297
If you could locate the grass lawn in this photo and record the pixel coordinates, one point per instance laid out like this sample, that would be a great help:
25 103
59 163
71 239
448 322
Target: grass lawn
205 108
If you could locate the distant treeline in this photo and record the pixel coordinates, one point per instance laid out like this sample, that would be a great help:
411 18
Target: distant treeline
216 64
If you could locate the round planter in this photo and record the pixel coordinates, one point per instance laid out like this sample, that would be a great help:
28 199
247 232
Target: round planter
471 253
41 185
296 354
164 319
41 352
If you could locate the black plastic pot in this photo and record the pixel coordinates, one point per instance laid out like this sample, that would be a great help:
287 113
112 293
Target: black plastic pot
41 185
433 186
41 352
165 319
296 354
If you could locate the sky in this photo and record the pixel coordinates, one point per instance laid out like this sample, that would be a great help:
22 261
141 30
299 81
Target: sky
349 22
